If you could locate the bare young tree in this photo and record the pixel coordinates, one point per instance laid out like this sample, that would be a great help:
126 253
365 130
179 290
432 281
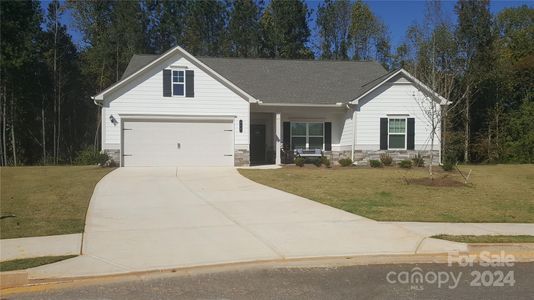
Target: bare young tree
433 108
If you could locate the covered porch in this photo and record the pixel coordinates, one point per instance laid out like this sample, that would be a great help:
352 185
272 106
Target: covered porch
278 131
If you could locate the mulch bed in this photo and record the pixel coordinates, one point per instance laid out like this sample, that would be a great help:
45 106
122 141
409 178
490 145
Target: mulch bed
440 182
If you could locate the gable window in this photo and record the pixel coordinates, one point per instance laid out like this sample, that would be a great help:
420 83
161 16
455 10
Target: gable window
178 83
307 135
397 133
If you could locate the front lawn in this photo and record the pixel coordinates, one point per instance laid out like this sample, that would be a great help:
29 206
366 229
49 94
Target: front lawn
487 238
496 193
26 263
40 201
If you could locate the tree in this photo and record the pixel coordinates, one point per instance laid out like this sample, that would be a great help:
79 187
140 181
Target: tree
334 20
20 29
244 29
205 28
61 59
128 32
368 35
165 23
520 133
474 39
285 29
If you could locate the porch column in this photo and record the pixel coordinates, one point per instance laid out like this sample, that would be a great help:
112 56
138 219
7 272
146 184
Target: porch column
278 138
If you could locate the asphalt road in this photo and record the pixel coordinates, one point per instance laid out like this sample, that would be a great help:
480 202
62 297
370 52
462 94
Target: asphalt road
348 282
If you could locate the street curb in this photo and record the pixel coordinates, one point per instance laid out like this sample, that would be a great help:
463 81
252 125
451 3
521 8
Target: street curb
12 279
521 252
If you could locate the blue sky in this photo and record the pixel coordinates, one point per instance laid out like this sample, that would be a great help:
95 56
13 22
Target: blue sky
397 14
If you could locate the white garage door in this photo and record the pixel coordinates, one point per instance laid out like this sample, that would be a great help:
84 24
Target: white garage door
178 143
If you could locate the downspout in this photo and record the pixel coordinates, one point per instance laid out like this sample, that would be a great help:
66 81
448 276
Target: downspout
353 146
101 120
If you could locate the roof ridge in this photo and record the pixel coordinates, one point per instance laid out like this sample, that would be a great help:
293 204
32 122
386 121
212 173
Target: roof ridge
277 59
291 59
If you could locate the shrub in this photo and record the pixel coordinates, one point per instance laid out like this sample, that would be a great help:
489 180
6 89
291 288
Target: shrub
418 160
317 162
375 163
447 166
386 159
448 162
299 161
345 162
406 164
325 161
91 157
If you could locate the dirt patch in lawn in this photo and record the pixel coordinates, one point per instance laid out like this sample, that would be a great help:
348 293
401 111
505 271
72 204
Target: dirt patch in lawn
438 182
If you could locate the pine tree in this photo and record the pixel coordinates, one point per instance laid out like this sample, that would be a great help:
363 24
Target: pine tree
205 28
244 29
285 29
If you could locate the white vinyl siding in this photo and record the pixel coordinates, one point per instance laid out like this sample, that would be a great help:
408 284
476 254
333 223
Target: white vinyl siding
145 96
390 99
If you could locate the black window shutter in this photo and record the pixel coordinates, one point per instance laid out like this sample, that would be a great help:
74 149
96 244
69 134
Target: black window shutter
383 133
287 135
410 139
190 83
327 136
167 83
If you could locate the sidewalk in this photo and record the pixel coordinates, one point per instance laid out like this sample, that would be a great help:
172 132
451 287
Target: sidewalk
54 245
88 265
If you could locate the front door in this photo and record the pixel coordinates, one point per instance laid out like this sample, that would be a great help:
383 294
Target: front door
257 144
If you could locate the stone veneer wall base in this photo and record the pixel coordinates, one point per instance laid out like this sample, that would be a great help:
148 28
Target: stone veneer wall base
241 158
115 155
362 157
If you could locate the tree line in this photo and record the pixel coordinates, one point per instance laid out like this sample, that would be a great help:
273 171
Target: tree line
482 62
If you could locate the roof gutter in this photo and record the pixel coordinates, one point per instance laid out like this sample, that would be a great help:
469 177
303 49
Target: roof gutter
96 102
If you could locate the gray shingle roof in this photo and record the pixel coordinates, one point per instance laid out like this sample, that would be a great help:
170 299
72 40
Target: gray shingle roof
289 81
137 62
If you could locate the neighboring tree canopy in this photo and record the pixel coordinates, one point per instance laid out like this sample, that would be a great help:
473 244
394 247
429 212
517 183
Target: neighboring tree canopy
483 63
285 29
244 29
334 21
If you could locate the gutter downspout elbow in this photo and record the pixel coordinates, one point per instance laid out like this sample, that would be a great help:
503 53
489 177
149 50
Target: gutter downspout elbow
96 103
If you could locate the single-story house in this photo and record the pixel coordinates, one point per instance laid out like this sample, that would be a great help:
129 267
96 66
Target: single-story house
175 109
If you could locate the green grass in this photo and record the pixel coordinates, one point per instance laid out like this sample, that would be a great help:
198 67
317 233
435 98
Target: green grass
46 200
26 263
487 238
496 193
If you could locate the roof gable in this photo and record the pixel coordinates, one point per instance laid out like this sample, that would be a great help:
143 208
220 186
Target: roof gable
136 67
376 83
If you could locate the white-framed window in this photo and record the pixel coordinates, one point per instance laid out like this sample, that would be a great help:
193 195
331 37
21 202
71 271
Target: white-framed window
178 83
307 135
397 133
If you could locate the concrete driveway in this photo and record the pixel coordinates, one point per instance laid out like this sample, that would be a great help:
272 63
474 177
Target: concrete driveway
143 219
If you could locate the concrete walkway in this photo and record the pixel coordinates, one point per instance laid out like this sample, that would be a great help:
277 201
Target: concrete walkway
144 219
54 245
